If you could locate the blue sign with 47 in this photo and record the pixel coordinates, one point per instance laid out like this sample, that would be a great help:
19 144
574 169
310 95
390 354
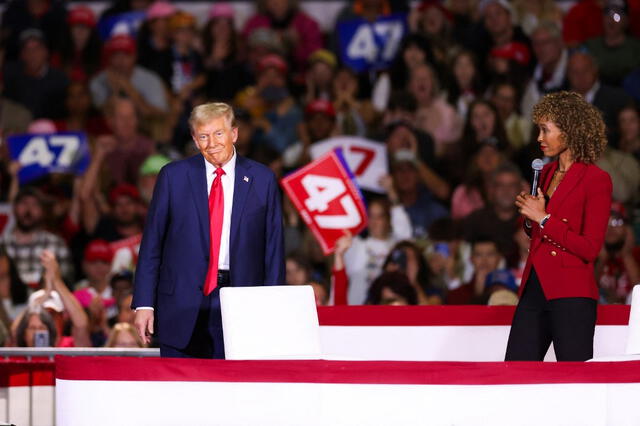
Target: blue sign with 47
41 154
368 45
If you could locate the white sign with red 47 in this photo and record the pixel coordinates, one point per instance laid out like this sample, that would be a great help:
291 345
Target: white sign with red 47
367 159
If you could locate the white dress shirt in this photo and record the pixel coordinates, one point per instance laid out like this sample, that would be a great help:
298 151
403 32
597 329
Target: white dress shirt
227 187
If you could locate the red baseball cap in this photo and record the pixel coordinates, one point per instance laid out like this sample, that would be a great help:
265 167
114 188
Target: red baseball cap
124 190
515 51
427 4
320 106
120 43
617 208
98 250
81 15
273 61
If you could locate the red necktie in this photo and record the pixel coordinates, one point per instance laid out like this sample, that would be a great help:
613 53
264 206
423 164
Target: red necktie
216 215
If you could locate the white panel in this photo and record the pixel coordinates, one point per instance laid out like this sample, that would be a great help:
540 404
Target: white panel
441 343
270 322
633 340
230 404
20 405
4 404
42 405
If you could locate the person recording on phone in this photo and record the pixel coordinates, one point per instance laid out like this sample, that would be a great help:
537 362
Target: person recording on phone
42 323
364 257
404 258
568 218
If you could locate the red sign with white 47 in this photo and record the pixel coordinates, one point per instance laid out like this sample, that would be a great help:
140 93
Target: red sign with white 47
326 196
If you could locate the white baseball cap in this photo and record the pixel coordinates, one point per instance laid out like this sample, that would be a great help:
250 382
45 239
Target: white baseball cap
53 302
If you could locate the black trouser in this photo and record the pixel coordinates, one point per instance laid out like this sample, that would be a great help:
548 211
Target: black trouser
206 340
568 322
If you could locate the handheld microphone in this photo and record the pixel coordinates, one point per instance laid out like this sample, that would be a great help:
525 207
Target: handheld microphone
536 165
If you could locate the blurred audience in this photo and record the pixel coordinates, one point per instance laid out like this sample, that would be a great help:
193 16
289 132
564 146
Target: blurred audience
28 239
298 32
223 55
123 78
449 99
33 83
549 74
392 288
616 52
583 75
485 258
618 265
499 218
79 55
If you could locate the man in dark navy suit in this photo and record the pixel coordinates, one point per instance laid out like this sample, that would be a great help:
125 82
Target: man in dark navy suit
215 220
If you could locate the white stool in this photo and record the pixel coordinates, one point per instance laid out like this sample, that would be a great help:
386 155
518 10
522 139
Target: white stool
270 322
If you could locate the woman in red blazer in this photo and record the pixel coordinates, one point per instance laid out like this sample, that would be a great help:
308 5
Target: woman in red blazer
568 219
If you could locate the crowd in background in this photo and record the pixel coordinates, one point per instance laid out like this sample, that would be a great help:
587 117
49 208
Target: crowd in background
453 109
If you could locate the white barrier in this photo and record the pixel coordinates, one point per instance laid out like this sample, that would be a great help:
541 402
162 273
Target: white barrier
126 392
430 333
442 333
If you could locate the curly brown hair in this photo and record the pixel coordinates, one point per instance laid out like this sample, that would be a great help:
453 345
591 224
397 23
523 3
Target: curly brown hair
581 124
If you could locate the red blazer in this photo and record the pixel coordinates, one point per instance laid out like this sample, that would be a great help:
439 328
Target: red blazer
563 253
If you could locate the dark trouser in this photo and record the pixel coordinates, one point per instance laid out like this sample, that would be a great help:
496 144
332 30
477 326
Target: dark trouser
206 340
568 322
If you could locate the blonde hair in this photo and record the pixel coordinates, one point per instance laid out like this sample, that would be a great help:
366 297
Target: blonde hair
123 327
210 111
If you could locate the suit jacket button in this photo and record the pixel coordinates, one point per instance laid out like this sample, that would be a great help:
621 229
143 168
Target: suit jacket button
565 220
553 253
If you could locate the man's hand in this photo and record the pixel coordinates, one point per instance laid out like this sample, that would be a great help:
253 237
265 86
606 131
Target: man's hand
144 324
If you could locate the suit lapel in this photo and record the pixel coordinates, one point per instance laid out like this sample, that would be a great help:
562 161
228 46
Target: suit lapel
574 175
242 184
198 184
